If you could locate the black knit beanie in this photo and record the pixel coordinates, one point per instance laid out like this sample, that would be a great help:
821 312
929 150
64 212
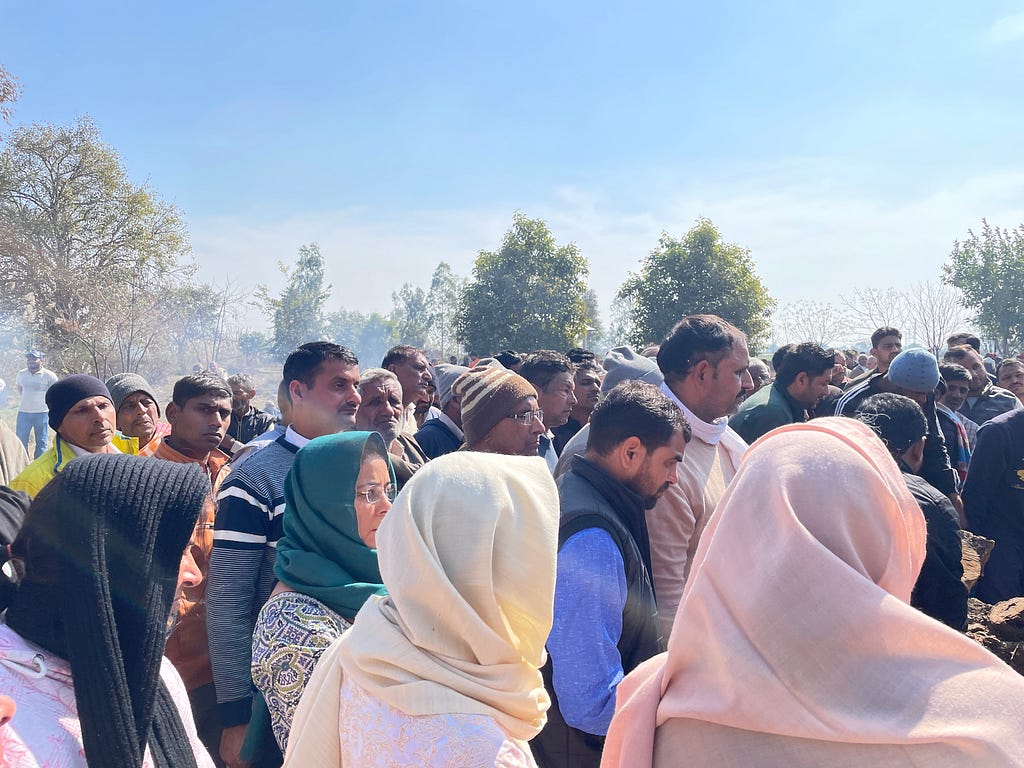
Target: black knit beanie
62 396
99 555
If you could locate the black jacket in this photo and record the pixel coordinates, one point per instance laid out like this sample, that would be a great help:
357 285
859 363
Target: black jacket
939 591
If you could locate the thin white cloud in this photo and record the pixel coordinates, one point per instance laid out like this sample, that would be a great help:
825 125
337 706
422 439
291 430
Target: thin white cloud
1008 29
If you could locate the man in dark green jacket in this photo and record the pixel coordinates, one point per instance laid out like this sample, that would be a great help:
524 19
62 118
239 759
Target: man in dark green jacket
801 381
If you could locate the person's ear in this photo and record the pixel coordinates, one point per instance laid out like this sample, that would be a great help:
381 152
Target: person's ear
171 412
631 454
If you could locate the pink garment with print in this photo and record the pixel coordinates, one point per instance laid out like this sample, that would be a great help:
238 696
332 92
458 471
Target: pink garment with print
45 730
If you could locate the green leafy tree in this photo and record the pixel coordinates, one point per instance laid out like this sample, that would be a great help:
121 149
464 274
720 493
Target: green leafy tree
411 315
443 307
989 269
86 256
527 295
370 336
297 314
698 273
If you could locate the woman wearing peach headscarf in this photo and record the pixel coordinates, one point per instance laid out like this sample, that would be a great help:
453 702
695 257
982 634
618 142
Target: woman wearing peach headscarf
445 670
795 644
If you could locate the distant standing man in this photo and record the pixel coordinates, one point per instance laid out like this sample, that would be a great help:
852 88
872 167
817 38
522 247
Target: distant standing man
33 380
886 343
801 381
247 421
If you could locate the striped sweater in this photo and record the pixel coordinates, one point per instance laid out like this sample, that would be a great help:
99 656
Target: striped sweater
241 576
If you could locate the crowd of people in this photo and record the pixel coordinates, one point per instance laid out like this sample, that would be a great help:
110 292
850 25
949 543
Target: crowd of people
540 559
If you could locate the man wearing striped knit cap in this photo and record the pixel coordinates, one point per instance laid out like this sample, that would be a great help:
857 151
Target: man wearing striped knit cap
499 410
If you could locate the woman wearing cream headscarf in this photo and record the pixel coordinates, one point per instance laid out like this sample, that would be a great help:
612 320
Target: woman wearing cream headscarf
444 671
795 644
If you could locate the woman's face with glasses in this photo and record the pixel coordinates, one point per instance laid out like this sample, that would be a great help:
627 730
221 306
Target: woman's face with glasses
374 494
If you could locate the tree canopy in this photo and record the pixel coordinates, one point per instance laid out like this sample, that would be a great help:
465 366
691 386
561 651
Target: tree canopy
698 273
86 257
989 270
530 294
298 313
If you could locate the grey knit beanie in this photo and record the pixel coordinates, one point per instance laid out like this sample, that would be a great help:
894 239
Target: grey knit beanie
623 364
445 375
123 384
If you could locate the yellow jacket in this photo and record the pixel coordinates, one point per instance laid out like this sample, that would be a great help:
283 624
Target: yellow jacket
41 471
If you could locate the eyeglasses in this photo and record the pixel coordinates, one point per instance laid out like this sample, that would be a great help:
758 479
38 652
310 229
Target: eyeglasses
375 493
526 419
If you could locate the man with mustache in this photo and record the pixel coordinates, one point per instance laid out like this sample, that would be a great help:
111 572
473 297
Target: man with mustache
705 363
605 616
381 411
81 412
322 380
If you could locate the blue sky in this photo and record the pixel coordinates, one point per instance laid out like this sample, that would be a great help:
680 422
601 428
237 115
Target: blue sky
847 145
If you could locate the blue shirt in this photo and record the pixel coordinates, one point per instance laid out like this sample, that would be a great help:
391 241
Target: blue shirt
590 594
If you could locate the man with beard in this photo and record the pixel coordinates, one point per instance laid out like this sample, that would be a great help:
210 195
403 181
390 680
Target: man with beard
605 616
247 421
984 399
801 382
705 363
381 411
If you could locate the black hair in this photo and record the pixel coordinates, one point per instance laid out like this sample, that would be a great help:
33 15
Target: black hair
578 356
780 354
509 358
959 352
693 339
897 419
635 409
954 372
961 339
304 363
400 354
541 366
882 332
199 385
809 358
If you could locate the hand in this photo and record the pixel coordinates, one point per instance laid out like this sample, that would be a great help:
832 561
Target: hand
231 740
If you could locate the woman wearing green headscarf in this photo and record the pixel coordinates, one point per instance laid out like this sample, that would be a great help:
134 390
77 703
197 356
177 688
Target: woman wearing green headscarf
336 494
